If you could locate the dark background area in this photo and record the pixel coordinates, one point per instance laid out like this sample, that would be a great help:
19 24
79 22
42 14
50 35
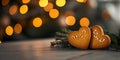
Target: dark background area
103 12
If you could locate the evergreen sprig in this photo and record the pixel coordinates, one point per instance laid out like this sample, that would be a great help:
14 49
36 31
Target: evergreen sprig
61 39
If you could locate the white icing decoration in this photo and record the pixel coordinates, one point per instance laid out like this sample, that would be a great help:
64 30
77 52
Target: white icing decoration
95 36
74 37
84 31
102 40
82 36
95 30
96 33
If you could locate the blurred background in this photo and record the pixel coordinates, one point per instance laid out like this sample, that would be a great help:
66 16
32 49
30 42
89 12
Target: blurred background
33 19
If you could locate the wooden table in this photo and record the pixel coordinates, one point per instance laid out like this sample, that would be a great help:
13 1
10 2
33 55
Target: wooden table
39 49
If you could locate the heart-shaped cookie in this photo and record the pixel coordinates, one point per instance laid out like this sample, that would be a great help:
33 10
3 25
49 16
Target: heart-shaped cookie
98 39
80 39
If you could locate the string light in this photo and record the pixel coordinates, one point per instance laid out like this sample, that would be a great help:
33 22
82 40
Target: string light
18 28
9 30
0 42
70 20
37 22
81 1
26 1
84 22
48 7
43 3
6 20
5 2
13 9
60 3
105 15
53 13
23 9
69 13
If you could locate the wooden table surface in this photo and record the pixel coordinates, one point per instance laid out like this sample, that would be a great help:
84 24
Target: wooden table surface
39 49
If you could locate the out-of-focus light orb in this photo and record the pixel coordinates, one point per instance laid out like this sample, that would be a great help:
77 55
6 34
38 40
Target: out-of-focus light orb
18 28
9 30
61 21
60 3
81 1
5 20
23 9
0 42
13 9
37 22
70 20
69 13
53 13
105 15
48 7
43 3
5 2
92 4
25 1
84 21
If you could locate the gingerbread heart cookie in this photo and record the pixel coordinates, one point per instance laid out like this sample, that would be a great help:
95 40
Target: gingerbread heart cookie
80 39
98 39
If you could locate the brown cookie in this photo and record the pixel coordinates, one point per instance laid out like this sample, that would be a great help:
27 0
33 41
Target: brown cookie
80 39
98 39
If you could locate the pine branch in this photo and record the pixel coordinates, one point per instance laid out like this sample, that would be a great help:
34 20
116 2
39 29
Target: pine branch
61 39
115 45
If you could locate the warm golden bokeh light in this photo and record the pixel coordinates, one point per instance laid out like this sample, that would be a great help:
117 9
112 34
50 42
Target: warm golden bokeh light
43 3
25 1
82 1
70 20
53 13
84 22
60 3
13 9
9 30
37 22
18 28
48 7
5 2
23 9
0 42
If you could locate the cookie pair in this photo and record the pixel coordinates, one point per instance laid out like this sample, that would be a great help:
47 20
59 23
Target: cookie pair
85 37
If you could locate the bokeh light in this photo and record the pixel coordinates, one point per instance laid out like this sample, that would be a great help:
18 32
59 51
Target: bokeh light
6 20
53 13
61 21
84 21
5 2
23 9
81 1
13 9
105 15
69 13
0 42
18 28
70 20
37 22
9 30
60 3
92 4
43 3
25 1
48 7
